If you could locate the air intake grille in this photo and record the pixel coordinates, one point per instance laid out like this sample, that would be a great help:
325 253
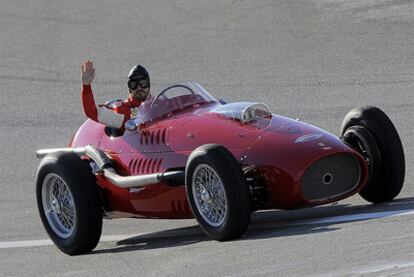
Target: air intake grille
143 165
156 137
331 177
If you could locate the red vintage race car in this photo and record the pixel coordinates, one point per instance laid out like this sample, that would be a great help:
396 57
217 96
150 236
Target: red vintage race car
186 154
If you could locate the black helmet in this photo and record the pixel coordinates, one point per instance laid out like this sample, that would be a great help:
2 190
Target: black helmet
138 72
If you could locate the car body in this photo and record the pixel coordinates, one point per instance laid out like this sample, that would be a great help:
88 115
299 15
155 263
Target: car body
186 154
275 150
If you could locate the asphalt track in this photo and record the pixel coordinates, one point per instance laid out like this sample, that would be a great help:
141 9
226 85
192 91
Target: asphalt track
312 60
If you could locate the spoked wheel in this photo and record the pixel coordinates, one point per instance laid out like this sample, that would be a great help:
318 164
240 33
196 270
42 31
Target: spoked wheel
58 205
217 192
209 195
68 203
370 132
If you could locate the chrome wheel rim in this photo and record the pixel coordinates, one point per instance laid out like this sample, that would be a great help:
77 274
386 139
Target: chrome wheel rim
209 195
58 205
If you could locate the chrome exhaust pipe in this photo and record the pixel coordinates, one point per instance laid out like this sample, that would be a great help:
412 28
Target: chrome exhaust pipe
105 167
142 180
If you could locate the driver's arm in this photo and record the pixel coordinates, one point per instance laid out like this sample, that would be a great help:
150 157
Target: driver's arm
88 103
99 113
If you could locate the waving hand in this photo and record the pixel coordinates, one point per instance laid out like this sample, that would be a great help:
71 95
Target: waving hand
87 72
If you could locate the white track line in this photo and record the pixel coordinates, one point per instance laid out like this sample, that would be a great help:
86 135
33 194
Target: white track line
333 219
353 217
25 243
46 242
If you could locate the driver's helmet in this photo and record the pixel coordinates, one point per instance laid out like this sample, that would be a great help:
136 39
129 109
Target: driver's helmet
138 78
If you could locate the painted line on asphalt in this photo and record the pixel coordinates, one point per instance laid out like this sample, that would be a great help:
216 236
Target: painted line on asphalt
354 217
326 220
46 242
25 243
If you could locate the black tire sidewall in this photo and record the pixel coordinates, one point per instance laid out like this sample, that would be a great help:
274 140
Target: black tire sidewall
387 182
80 182
238 213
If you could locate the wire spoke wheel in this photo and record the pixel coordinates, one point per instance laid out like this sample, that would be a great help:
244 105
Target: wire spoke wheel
58 205
209 195
217 192
68 203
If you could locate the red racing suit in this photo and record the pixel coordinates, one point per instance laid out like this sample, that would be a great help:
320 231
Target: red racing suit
113 113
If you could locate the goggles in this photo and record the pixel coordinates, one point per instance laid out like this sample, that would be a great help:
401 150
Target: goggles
135 83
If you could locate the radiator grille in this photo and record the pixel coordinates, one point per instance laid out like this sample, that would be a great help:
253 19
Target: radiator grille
331 177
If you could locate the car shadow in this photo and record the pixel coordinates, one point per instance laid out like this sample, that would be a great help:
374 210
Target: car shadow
271 224
275 223
163 239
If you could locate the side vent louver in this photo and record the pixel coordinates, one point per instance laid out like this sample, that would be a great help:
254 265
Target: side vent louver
160 136
144 166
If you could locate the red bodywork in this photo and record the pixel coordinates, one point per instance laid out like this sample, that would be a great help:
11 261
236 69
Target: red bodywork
265 147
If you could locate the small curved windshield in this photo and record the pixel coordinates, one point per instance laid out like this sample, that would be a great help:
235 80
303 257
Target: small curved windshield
171 100
243 111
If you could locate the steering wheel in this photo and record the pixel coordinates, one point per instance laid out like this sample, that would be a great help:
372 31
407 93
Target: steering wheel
161 94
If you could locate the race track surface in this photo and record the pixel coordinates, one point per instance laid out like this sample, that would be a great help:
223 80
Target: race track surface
312 60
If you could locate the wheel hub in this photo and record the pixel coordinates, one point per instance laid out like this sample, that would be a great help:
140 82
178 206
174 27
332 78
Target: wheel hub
56 206
205 196
362 141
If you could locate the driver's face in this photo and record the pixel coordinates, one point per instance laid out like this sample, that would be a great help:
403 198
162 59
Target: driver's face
140 93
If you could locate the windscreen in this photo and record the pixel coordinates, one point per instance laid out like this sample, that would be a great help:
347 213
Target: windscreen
173 99
243 111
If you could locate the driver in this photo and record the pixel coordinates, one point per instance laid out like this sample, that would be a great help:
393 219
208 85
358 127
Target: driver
115 113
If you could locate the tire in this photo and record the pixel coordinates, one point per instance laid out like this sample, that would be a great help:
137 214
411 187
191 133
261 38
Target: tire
370 132
227 193
66 188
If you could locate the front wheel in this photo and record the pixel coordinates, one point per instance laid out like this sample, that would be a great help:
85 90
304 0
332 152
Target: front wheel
370 132
217 192
68 203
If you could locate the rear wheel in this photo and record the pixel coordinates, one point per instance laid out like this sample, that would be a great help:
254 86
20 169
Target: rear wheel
68 203
217 192
370 132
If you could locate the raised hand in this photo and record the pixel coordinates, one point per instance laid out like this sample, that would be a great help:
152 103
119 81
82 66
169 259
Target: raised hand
87 72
